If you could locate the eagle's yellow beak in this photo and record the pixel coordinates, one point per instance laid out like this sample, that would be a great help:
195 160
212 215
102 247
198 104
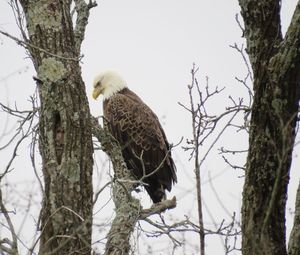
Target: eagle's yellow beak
96 92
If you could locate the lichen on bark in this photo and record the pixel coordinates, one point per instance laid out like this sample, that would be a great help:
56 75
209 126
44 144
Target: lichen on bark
42 14
52 70
65 139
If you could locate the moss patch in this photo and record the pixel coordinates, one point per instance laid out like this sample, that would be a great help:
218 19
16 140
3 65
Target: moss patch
52 70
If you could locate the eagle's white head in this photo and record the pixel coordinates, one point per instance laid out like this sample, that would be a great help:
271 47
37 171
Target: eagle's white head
108 83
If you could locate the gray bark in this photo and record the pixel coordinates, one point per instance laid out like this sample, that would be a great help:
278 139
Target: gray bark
276 68
294 242
65 139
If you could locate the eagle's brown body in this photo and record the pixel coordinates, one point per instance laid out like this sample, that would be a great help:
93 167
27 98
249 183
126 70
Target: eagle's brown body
144 145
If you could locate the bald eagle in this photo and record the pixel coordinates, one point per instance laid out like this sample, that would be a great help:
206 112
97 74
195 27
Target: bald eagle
134 125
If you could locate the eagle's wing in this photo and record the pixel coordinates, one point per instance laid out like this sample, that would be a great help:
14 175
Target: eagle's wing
144 145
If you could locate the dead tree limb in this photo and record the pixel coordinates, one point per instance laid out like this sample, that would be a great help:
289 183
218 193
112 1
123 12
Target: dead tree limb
128 209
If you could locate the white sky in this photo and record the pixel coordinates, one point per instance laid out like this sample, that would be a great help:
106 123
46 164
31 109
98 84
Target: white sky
153 44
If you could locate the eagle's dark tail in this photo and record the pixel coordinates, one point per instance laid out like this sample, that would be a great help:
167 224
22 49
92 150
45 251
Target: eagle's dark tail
156 192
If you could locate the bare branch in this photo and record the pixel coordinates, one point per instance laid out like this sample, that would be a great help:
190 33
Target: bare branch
241 51
204 126
29 118
27 45
158 208
100 190
13 250
19 17
83 11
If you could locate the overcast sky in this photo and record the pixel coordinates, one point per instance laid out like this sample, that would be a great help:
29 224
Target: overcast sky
153 44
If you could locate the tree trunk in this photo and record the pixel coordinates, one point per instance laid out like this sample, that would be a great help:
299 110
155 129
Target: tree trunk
65 139
294 242
276 68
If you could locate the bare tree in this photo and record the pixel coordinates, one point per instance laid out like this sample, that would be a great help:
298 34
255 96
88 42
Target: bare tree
65 138
275 62
53 38
207 129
